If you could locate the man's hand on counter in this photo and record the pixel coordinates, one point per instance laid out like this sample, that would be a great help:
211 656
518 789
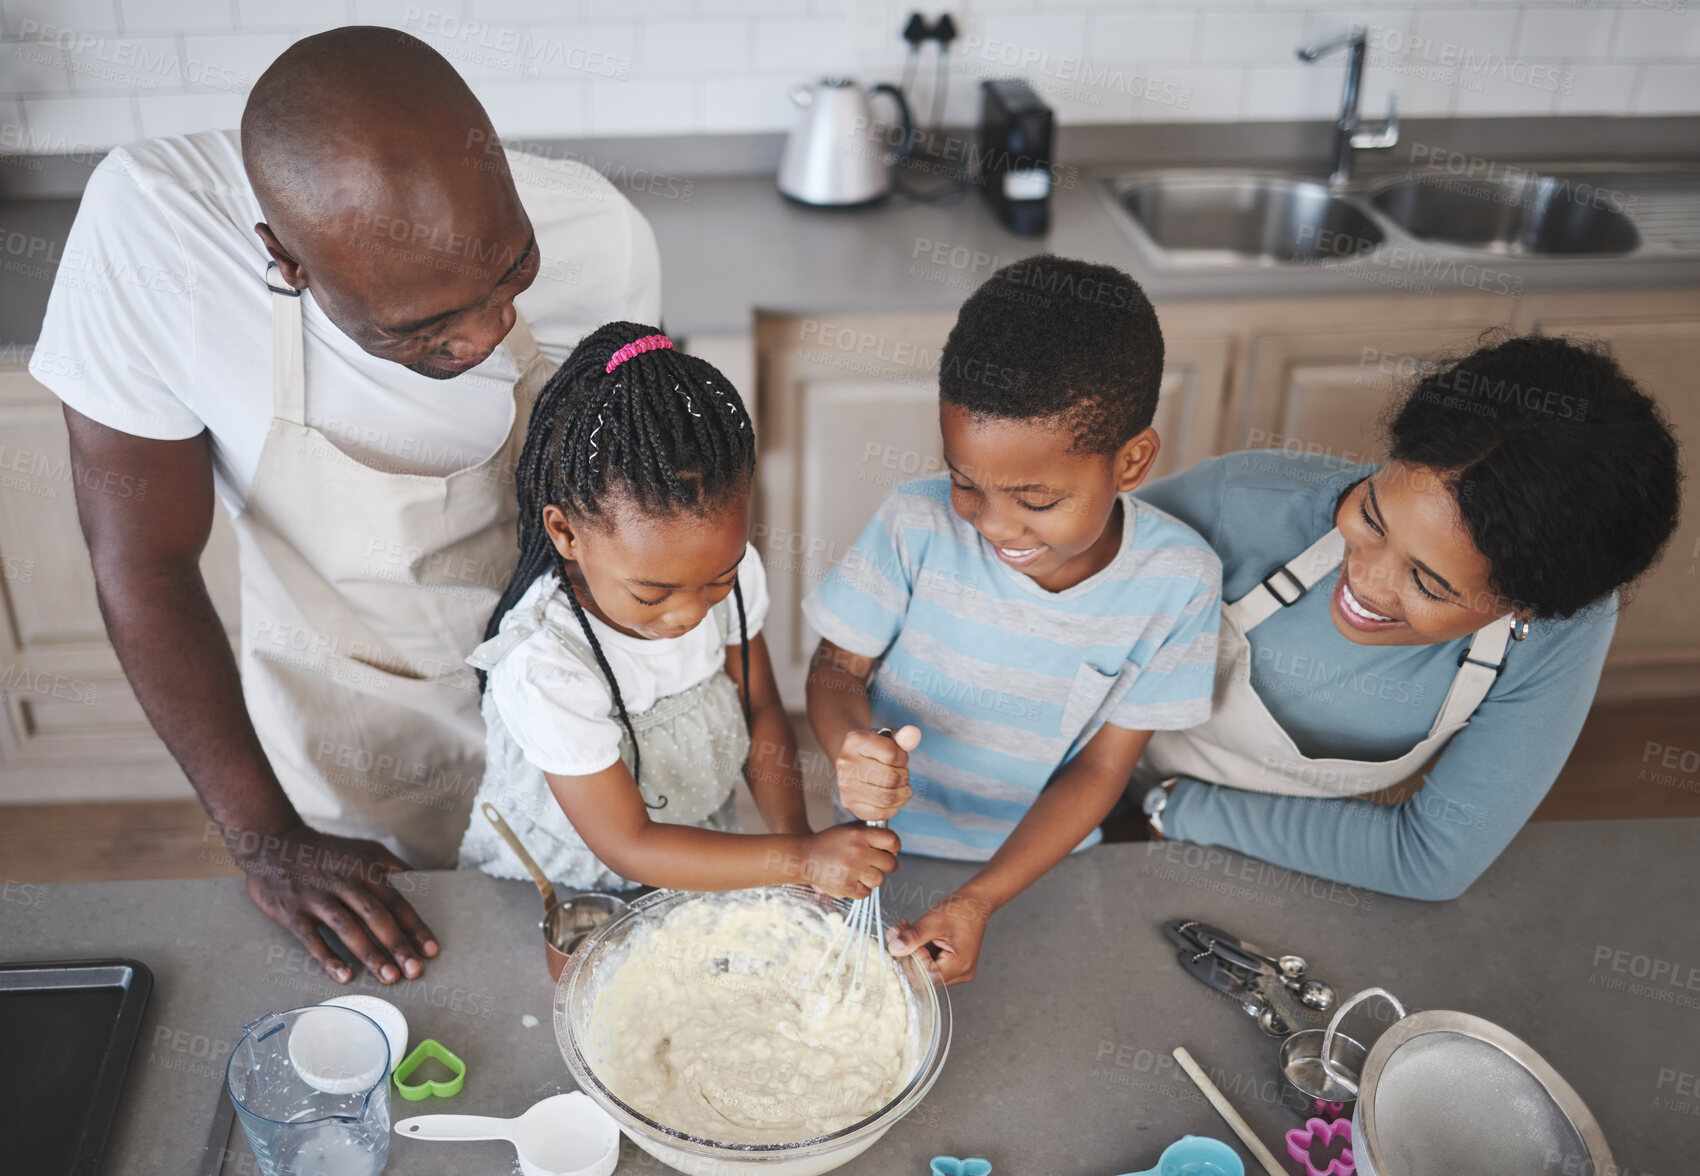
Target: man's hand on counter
304 880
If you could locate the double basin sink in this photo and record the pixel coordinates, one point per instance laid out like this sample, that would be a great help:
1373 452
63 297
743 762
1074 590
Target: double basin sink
1195 218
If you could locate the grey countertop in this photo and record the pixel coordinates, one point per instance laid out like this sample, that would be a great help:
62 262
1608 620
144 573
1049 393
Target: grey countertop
1583 939
731 245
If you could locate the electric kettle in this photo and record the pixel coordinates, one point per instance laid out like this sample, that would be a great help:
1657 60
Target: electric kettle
838 155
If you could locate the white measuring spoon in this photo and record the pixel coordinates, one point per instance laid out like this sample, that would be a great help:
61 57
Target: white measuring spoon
564 1135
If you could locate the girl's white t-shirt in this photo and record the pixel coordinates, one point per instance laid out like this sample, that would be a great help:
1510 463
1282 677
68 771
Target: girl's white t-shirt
160 324
558 709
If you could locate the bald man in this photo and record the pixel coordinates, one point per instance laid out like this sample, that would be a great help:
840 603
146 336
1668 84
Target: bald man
337 322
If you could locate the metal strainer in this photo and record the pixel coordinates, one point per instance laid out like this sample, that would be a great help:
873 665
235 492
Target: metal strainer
1445 1092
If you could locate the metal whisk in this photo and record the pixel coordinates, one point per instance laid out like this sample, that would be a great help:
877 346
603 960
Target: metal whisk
847 954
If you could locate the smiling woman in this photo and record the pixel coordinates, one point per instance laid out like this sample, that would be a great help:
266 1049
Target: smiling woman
1453 604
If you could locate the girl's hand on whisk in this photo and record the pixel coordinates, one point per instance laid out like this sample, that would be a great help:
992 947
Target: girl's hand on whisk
873 772
951 932
849 860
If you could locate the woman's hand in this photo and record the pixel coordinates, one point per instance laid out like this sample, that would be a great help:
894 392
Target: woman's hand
849 860
873 772
952 931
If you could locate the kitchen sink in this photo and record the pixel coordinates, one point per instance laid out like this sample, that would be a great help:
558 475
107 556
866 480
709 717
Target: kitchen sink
1239 219
1541 215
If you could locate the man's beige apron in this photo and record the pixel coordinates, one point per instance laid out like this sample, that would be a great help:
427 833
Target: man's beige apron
1242 745
362 594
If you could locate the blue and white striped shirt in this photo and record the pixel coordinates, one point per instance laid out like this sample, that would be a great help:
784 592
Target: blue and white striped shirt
1006 680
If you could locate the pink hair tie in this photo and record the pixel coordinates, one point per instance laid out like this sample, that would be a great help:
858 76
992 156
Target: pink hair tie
638 347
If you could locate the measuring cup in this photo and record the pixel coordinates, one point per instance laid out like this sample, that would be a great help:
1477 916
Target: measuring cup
1196 1155
1302 1066
311 1087
567 922
564 1135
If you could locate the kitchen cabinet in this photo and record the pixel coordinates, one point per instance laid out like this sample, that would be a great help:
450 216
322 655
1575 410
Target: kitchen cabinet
1320 380
847 408
72 729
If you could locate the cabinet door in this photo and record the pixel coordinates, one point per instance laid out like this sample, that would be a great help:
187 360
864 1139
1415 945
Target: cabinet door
72 729
1319 374
848 409
1190 402
1656 338
1327 393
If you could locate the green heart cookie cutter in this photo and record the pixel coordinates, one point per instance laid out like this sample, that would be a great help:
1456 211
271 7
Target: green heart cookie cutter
415 1091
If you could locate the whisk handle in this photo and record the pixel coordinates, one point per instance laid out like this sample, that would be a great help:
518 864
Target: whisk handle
888 733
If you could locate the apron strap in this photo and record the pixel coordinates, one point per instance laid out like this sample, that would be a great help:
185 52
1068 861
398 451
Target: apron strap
521 346
288 371
1287 583
1479 667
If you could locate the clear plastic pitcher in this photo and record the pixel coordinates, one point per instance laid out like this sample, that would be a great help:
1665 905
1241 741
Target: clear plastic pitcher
311 1087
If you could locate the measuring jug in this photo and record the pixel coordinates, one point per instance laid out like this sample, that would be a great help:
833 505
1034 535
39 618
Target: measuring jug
311 1087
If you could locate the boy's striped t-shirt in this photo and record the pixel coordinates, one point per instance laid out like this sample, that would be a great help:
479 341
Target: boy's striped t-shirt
1007 681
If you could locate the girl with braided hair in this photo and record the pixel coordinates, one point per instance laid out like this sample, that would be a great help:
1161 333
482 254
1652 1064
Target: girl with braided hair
627 687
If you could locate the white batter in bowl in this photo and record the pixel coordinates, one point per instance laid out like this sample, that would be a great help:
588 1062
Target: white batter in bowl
690 1021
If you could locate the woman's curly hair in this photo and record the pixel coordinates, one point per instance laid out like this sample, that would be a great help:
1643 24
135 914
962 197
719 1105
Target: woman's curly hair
1565 472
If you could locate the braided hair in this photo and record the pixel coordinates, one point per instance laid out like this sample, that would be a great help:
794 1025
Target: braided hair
648 429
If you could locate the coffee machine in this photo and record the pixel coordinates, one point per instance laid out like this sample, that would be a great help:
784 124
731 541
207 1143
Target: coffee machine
1016 130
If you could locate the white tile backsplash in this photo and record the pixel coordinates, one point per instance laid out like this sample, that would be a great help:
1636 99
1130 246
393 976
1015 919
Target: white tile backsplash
1276 92
70 126
36 67
29 17
175 16
1142 36
1462 36
128 65
89 73
181 114
687 48
658 108
1667 88
1566 32
1598 86
1651 32
538 110
1232 36
314 14
746 104
801 45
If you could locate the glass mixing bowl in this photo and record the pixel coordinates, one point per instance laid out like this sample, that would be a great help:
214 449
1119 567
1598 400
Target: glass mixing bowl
603 954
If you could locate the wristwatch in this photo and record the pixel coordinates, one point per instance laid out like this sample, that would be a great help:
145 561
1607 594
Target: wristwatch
1156 800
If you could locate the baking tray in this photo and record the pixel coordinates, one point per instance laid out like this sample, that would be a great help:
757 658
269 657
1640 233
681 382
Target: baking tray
67 1029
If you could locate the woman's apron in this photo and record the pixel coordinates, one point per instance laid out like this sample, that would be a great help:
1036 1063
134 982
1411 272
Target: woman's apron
694 746
1242 745
362 592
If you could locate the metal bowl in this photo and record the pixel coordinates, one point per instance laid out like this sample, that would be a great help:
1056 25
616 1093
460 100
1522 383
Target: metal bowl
1301 1064
602 955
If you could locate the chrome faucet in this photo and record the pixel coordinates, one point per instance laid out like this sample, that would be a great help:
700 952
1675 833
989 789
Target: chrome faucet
1350 135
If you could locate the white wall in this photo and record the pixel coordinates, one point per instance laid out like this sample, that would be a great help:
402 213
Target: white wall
85 74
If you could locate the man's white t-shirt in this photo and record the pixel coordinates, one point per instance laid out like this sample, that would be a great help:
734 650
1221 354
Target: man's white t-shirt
558 709
160 322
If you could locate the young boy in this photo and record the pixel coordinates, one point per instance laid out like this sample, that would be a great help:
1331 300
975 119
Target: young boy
1023 621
